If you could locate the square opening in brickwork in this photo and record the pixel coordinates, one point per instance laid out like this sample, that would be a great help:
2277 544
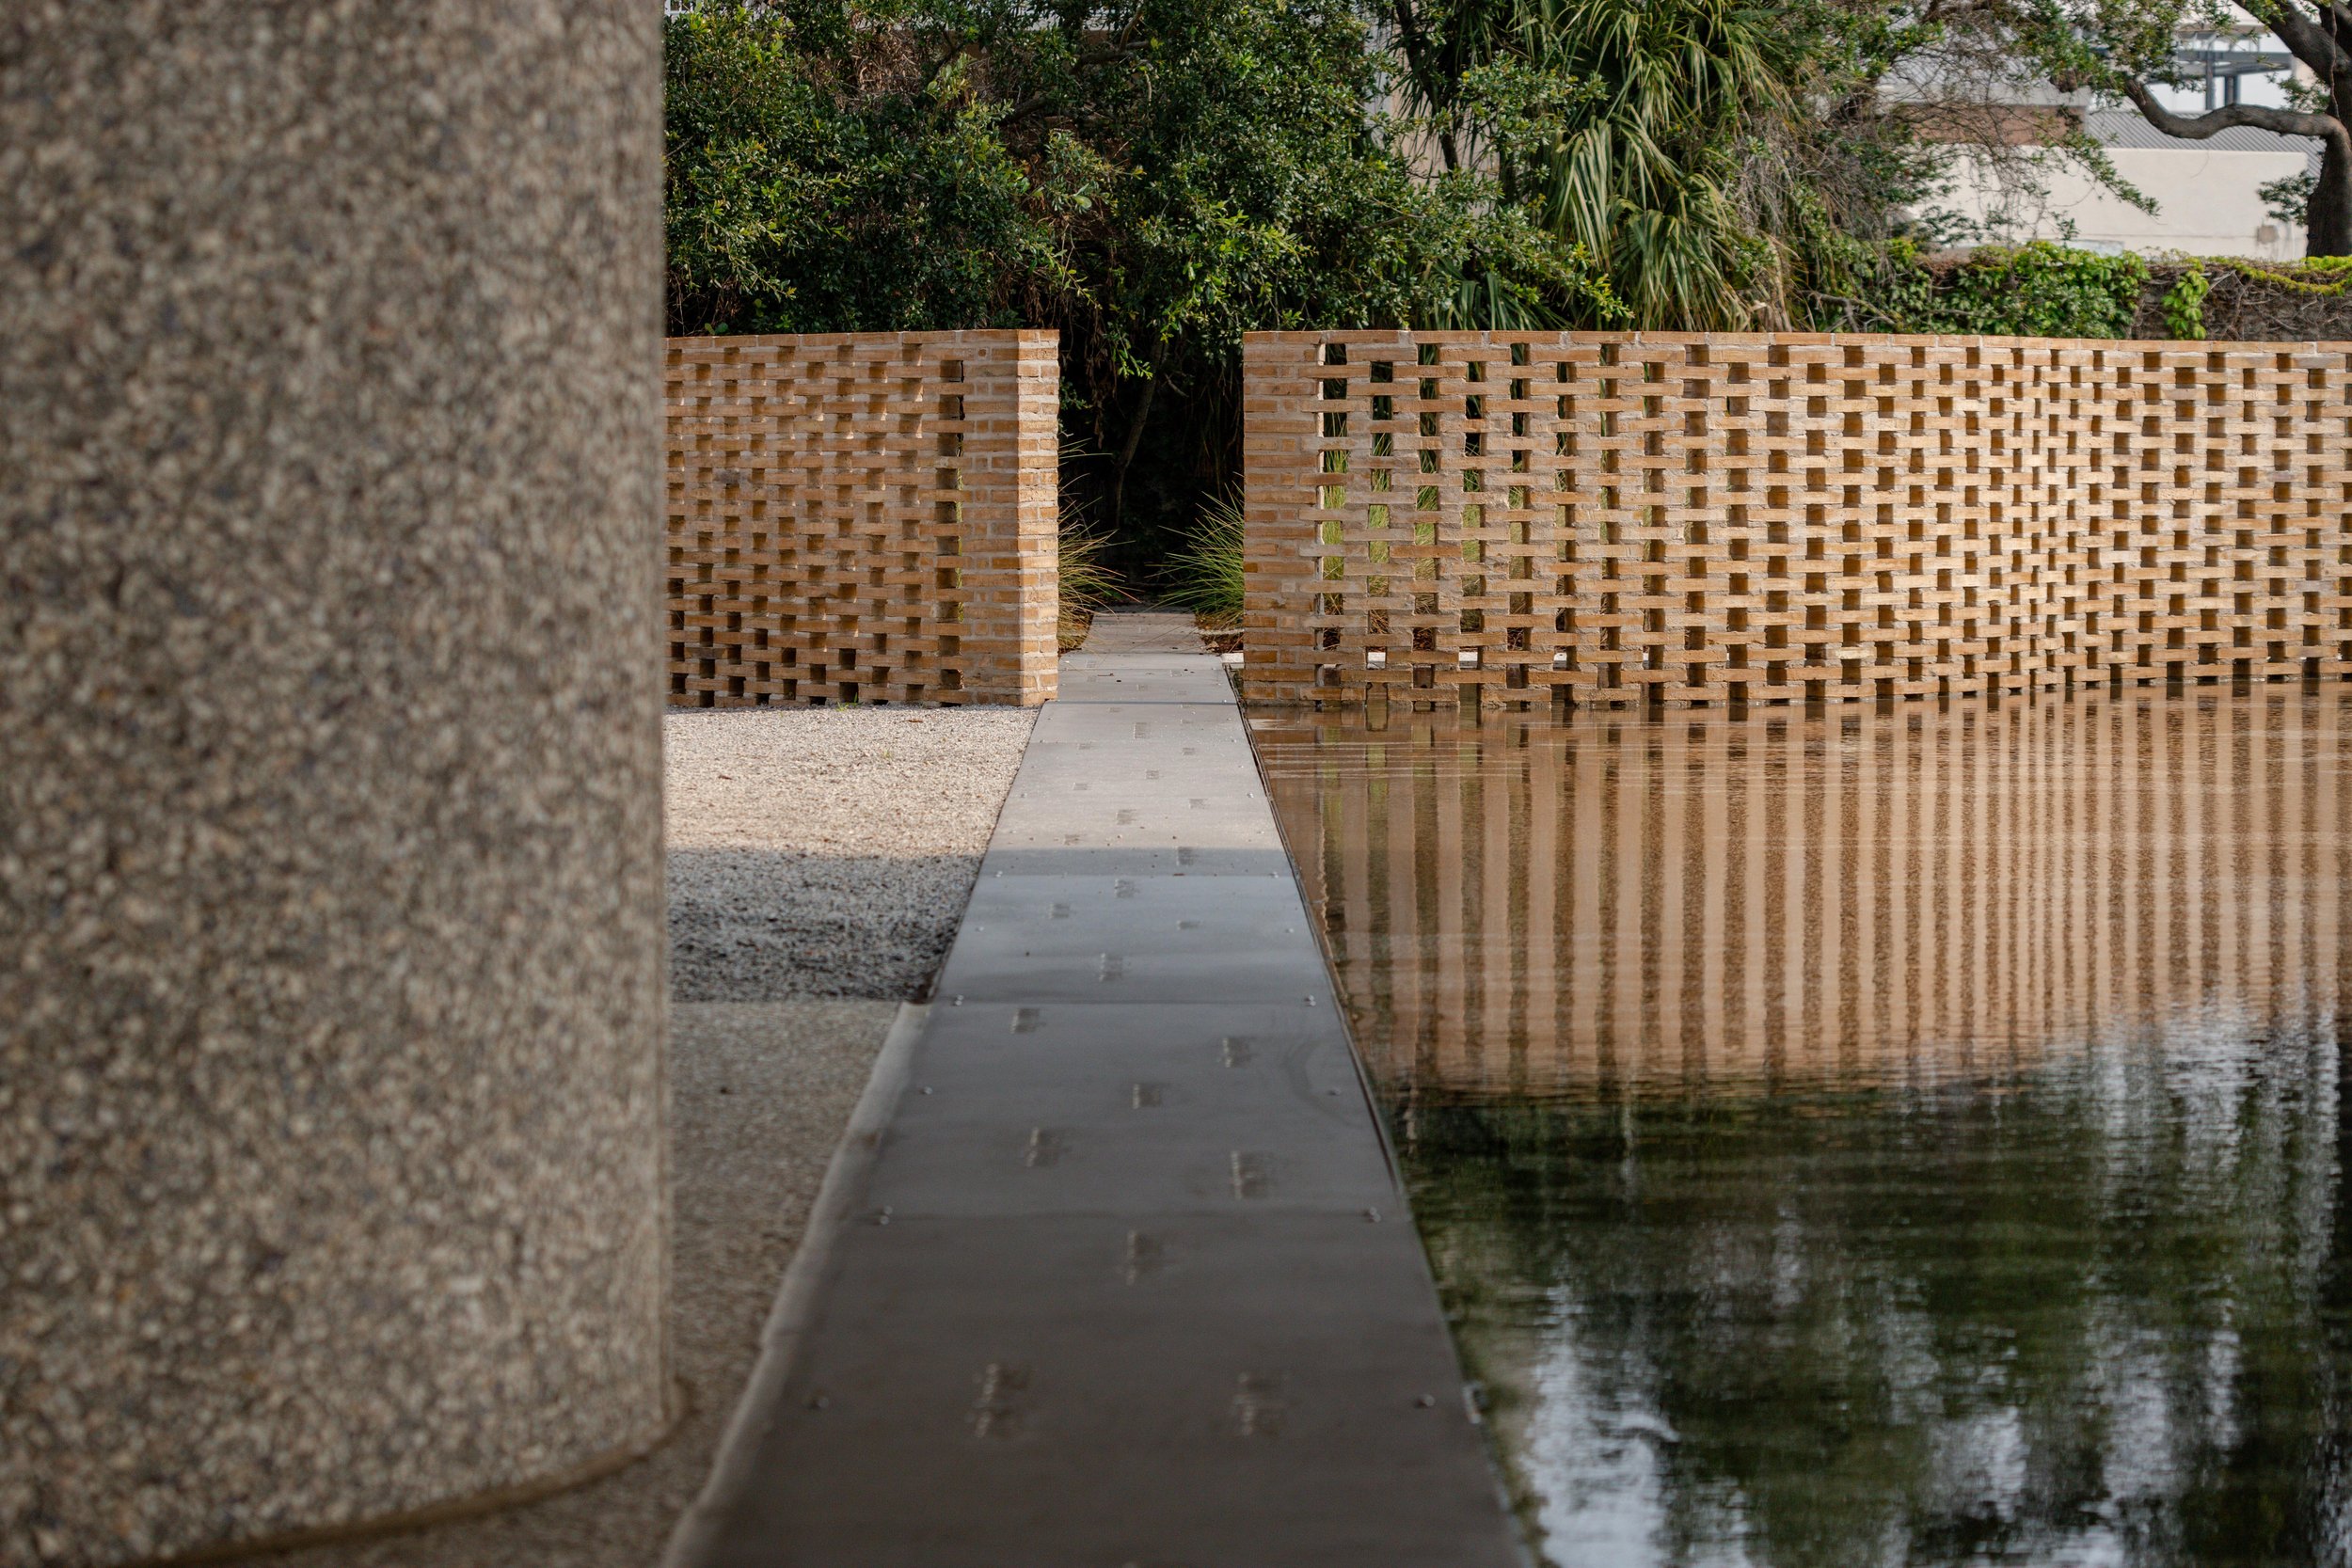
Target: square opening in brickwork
1376 658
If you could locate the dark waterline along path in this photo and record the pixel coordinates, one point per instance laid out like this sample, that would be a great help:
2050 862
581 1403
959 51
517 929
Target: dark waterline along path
1909 1137
1129 1280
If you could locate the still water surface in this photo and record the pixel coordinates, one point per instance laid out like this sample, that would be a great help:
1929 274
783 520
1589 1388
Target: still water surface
1906 1136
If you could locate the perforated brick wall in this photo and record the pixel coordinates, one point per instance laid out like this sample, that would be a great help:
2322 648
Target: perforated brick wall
1617 518
863 518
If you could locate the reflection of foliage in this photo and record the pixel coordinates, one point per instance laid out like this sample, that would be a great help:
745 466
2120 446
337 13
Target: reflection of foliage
2110 1301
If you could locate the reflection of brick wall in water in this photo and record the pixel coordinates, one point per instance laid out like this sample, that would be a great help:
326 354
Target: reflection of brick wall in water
1704 518
1866 896
863 518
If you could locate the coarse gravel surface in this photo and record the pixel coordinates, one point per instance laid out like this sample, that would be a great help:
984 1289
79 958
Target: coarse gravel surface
820 859
827 851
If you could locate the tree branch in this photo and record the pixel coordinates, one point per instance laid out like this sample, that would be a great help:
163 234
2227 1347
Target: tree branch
2287 122
2305 39
1416 68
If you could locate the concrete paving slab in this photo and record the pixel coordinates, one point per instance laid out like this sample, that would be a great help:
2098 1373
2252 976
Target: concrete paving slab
1131 632
1135 939
1181 860
1252 1056
1189 1392
1128 1278
1131 1110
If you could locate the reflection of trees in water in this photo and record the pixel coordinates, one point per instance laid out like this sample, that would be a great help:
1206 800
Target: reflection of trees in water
2097 1313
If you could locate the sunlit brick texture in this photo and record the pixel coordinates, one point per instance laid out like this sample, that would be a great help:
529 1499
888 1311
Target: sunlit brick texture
1613 518
863 518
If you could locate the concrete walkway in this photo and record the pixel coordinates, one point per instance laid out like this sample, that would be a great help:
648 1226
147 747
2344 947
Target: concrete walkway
1128 1278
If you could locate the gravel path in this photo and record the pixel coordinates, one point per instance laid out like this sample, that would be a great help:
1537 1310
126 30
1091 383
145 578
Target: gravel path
827 851
819 859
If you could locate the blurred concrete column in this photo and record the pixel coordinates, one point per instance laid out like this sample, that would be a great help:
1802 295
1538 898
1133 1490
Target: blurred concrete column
331 1093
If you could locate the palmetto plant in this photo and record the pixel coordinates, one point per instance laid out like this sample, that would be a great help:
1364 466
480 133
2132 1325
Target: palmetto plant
1694 147
1646 171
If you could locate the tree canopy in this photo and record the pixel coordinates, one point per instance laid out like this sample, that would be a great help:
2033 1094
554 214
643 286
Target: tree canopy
1153 181
2126 48
1155 177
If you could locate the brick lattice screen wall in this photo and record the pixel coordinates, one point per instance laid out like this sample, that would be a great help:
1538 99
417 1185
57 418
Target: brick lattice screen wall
1701 518
862 516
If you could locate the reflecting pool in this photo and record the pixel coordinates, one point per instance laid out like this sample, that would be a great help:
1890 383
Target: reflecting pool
1889 1136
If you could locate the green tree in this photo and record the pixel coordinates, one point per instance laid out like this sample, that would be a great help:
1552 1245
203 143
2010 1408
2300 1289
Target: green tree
1154 179
2126 48
821 179
1729 162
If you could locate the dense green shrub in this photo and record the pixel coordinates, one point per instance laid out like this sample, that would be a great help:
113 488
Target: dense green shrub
795 206
2036 290
1730 163
2184 304
2046 290
1152 186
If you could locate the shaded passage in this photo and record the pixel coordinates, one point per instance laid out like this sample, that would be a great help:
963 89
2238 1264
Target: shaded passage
1903 1136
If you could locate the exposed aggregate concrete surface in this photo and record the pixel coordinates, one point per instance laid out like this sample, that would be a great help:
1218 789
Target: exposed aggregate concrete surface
331 991
827 851
764 809
759 1093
